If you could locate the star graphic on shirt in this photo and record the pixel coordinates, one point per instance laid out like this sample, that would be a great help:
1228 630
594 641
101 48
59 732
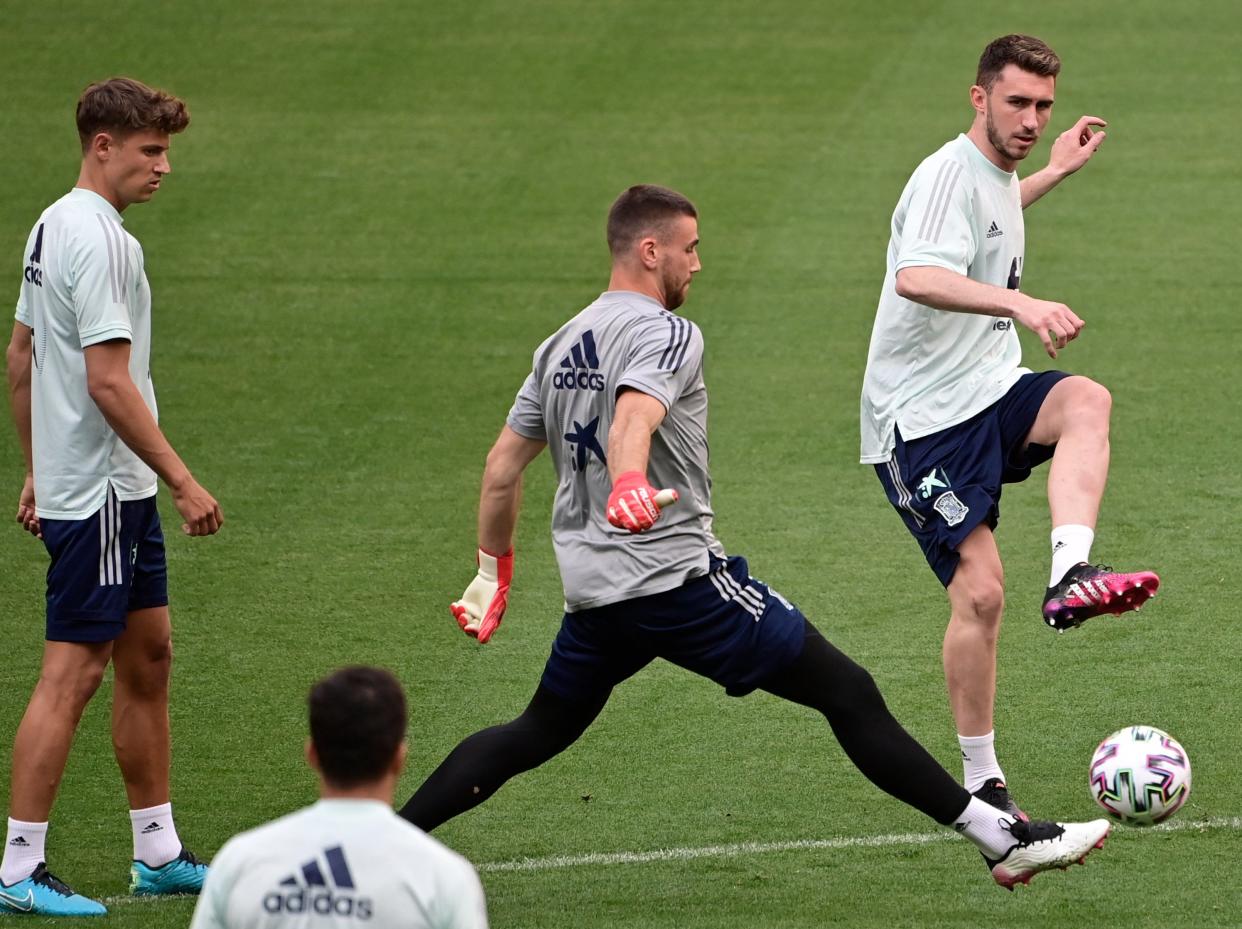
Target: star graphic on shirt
584 438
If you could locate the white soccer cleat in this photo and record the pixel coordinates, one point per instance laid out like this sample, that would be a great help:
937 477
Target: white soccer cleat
1043 845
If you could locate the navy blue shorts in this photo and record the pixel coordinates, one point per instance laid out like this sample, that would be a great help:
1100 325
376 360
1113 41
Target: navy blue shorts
946 484
724 625
103 568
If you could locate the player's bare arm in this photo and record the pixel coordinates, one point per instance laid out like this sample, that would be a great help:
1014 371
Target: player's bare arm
482 606
637 416
113 391
1071 150
501 496
1055 323
634 505
19 359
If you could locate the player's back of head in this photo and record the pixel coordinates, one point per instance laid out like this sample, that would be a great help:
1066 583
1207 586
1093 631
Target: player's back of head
357 724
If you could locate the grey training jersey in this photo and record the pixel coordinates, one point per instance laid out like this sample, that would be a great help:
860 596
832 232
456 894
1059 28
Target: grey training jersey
623 339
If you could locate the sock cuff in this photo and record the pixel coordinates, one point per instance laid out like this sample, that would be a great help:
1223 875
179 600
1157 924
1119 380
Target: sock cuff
1071 529
19 826
164 809
976 740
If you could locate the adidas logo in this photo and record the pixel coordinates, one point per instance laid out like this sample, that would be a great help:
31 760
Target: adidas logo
310 890
579 370
1090 591
994 230
19 842
152 827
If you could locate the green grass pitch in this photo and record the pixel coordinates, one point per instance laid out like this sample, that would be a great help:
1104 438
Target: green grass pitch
378 212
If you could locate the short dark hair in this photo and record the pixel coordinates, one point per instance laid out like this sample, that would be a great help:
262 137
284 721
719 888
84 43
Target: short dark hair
121 105
357 723
1025 51
643 210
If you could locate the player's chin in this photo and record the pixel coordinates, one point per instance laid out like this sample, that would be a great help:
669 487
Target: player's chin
1020 148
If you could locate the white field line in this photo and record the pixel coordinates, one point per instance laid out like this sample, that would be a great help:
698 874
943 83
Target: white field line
762 848
742 849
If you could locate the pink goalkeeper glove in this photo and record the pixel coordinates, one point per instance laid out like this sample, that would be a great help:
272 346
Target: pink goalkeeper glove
482 606
634 505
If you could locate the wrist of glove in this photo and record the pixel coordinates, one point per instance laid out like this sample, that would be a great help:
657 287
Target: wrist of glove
634 505
482 606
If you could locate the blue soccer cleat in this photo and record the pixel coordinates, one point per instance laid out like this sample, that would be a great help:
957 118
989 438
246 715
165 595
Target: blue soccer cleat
183 875
41 894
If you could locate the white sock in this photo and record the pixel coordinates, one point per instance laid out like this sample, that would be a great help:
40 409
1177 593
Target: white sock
1071 545
23 850
979 760
987 827
155 837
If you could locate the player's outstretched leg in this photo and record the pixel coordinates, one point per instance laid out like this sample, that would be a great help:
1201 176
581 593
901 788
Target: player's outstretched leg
481 764
1041 846
825 679
1089 590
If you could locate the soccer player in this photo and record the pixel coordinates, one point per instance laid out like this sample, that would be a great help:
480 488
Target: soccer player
948 415
84 404
618 395
348 860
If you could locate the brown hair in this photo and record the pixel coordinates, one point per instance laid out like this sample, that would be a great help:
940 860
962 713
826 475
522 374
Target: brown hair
121 105
643 210
357 723
1025 51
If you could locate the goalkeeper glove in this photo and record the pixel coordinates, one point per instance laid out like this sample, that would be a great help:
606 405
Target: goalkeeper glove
634 505
482 606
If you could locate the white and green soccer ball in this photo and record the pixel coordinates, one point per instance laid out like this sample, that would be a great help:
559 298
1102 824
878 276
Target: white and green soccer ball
1140 775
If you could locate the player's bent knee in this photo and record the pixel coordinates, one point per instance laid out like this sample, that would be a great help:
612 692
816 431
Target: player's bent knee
983 602
148 672
69 690
1091 399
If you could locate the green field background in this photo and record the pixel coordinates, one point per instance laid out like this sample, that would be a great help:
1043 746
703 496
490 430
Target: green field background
378 212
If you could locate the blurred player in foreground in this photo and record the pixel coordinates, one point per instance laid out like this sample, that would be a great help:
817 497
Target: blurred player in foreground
949 415
79 375
348 860
618 394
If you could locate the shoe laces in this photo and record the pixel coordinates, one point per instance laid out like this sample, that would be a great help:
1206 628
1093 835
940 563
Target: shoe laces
1035 831
45 877
188 857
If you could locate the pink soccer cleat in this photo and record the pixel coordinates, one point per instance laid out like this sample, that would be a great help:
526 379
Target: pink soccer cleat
1089 590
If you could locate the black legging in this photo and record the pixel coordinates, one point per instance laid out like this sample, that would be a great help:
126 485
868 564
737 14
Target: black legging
822 678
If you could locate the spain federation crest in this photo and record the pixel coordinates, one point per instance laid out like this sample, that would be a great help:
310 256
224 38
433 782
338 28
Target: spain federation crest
952 509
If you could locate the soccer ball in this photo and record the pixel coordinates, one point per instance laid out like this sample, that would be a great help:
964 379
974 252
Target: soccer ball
1140 775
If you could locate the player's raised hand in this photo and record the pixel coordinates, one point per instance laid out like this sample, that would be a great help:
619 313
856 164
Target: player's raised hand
1055 323
1074 147
198 508
26 509
482 606
634 505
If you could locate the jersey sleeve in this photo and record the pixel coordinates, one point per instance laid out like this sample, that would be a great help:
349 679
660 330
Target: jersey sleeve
99 271
22 314
939 227
526 415
663 358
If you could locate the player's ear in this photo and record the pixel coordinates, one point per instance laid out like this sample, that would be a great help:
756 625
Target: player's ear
648 248
312 756
978 98
101 145
398 758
